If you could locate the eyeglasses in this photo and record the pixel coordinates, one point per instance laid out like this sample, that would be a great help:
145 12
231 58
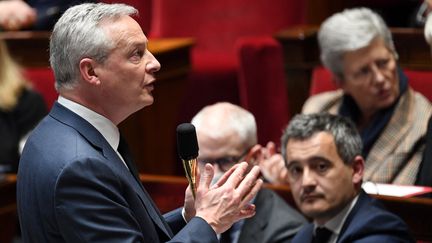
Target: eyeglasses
224 163
366 73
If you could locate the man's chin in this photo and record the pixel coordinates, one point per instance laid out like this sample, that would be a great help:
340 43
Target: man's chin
148 101
314 214
312 209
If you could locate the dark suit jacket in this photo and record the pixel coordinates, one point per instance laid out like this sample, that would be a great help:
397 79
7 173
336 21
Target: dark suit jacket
424 177
274 221
367 222
73 187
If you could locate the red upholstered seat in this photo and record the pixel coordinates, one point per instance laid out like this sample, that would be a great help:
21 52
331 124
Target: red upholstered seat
43 80
216 26
420 81
321 81
262 85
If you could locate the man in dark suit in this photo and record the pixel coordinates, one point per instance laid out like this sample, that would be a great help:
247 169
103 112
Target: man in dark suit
76 181
227 134
322 153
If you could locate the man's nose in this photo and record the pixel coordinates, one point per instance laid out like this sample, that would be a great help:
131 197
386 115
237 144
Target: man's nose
377 74
308 178
153 65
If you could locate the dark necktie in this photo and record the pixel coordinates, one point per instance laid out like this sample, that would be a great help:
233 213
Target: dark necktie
322 235
226 236
124 152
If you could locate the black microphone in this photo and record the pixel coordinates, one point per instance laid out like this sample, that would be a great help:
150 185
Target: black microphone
187 147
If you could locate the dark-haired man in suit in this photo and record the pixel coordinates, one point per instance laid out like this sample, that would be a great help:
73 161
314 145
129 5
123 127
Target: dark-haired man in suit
322 153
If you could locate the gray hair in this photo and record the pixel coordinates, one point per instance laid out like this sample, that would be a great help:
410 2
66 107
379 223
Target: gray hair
350 30
428 29
78 34
346 137
226 118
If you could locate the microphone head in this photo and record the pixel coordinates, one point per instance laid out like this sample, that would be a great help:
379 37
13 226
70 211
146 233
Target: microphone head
187 144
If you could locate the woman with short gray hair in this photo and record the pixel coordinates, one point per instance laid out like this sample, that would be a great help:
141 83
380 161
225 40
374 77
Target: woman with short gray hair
357 47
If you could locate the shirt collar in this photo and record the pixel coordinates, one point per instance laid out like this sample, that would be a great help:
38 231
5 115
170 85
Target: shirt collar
108 130
335 224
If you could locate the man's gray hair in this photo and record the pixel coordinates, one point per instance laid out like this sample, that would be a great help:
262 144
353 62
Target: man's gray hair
227 118
78 34
346 137
428 29
350 30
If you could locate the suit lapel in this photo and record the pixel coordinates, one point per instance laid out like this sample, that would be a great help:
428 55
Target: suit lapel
362 199
64 115
147 201
304 235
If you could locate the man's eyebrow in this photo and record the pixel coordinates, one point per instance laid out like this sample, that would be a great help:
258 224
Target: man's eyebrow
310 160
319 159
131 44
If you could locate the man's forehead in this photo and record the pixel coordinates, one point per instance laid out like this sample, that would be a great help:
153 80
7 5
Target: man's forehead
123 29
318 145
317 139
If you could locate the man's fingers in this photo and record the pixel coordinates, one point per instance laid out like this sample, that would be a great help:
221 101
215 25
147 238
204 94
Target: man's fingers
249 181
238 174
271 147
247 211
252 193
206 177
225 177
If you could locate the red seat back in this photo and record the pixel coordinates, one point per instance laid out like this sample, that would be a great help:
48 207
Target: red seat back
216 25
421 81
262 85
43 81
321 81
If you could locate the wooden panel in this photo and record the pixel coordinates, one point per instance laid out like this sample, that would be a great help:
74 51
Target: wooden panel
318 10
167 191
395 12
8 213
300 50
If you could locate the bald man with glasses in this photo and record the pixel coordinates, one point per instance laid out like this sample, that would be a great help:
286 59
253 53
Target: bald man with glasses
227 135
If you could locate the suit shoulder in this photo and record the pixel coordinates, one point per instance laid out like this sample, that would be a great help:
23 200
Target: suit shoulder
281 210
371 220
322 102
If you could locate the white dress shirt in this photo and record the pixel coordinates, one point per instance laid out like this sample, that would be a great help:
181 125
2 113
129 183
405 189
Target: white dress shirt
108 130
335 224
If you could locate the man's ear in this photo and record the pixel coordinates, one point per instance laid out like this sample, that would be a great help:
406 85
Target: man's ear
253 155
87 70
358 170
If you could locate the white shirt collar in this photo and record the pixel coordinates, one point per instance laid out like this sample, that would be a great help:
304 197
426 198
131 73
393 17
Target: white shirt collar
108 130
335 224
